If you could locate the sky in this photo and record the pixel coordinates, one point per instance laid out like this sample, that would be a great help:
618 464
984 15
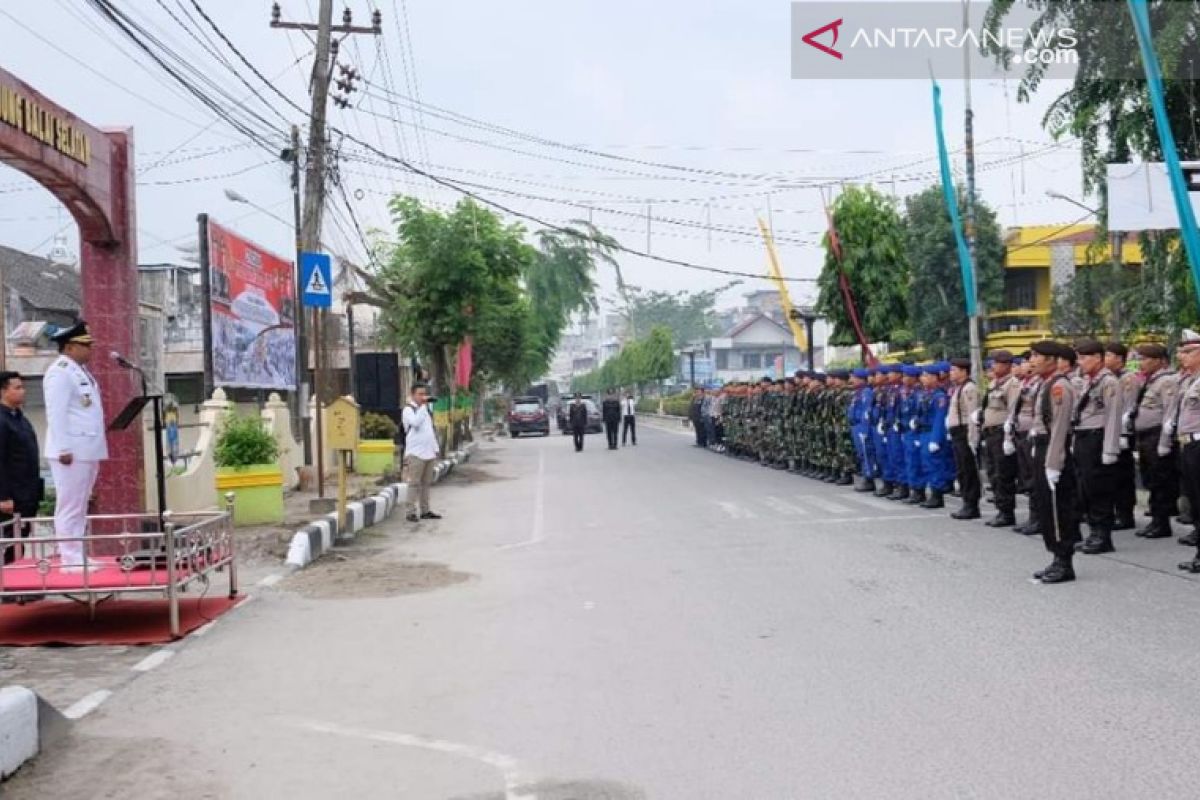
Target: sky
683 112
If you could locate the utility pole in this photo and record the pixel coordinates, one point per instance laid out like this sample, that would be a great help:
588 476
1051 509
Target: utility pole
301 395
314 179
973 322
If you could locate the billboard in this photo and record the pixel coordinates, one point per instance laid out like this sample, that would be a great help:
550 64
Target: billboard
252 305
1140 198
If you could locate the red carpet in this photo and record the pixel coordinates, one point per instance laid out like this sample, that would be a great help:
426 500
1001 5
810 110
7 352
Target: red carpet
118 622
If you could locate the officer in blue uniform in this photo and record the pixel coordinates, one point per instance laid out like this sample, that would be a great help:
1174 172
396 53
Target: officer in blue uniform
935 442
879 432
860 429
891 421
910 403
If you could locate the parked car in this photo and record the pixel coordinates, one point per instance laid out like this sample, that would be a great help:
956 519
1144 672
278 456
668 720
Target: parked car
528 415
595 422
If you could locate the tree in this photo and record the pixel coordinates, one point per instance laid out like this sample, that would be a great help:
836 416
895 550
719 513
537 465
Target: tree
641 361
936 301
871 235
1108 108
445 271
689 316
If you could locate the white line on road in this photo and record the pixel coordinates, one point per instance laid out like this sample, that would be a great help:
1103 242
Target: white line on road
784 507
539 509
505 765
735 511
826 505
876 519
81 708
271 580
155 659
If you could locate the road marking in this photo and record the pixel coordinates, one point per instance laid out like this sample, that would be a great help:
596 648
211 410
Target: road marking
735 511
826 505
155 659
883 518
505 765
539 509
87 705
784 507
271 580
205 628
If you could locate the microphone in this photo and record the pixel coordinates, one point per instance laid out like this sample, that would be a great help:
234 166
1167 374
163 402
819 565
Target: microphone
122 361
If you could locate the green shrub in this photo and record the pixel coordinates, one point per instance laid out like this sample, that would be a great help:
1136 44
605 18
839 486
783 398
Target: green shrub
377 426
678 405
244 442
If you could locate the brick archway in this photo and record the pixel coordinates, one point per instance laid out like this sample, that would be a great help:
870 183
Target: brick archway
91 171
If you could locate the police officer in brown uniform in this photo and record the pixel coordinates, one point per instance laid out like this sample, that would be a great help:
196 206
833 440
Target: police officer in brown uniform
1181 431
1054 488
964 435
1021 420
1002 397
1160 473
1125 499
1097 425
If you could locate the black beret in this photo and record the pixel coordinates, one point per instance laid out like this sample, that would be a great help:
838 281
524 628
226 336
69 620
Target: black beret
1089 347
1152 350
1001 356
1117 349
961 363
1047 347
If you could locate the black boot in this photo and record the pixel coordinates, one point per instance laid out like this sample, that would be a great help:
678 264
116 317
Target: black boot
843 480
1032 528
1160 528
916 498
1004 519
865 485
1192 566
1061 571
1190 539
1100 541
1124 523
936 499
1041 572
901 493
966 512
885 489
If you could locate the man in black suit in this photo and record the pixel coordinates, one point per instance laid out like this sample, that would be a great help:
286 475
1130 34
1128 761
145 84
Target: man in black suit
577 418
611 411
20 461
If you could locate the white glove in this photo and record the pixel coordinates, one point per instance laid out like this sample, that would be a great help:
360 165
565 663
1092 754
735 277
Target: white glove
879 429
1164 451
1126 420
1008 428
1125 443
1010 449
913 425
1169 426
1052 475
934 447
977 416
1108 459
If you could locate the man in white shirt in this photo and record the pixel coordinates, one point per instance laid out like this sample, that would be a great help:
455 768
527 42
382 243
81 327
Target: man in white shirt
75 440
420 452
629 417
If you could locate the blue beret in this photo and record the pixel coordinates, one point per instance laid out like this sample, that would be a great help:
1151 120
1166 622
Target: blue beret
930 369
911 371
861 373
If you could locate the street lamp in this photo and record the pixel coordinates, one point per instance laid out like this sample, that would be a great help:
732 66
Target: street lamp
808 315
1114 237
1051 193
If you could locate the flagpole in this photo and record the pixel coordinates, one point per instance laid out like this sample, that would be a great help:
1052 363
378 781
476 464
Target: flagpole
973 319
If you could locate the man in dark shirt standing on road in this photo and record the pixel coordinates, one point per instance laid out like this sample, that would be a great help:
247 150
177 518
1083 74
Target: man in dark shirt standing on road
611 411
20 461
577 419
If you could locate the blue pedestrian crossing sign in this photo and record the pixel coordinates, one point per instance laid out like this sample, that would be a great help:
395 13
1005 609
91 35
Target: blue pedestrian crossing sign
316 280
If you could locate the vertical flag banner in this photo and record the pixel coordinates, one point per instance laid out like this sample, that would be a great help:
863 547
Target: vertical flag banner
964 255
1179 188
462 372
253 309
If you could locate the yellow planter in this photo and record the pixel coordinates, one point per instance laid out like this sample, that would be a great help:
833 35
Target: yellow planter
375 457
258 492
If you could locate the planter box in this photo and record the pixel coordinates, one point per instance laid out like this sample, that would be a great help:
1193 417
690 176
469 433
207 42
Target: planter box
258 493
375 457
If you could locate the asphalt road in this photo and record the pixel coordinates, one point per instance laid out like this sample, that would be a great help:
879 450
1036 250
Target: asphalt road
662 622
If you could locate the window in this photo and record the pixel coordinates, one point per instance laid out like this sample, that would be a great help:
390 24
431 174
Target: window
1020 289
722 359
751 360
188 389
769 359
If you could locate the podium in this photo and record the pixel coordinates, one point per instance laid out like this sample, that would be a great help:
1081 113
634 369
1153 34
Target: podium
128 416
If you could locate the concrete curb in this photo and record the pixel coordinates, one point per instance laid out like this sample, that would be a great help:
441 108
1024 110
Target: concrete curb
18 728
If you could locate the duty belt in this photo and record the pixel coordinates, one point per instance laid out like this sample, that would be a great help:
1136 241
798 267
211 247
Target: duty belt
1088 432
1188 438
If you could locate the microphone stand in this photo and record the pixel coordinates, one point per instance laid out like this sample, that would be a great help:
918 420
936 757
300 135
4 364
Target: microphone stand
156 400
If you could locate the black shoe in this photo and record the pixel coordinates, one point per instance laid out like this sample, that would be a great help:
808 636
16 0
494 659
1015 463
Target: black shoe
1185 519
845 480
413 518
1033 529
1192 566
1158 529
936 499
1190 539
885 489
430 515
966 513
1124 524
1001 520
868 485
1150 530
1058 572
917 497
901 494
1038 575
1099 542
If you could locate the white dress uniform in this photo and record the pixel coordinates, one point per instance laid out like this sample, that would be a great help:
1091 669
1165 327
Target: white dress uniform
75 425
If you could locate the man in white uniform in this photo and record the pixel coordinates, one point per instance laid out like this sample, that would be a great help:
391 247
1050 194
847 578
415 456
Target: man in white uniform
75 438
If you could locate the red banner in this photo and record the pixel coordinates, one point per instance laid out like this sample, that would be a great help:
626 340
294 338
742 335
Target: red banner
253 303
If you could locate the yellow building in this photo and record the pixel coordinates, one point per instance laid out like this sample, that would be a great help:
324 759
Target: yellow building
1038 258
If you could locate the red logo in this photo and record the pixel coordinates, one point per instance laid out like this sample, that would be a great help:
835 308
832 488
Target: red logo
810 38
